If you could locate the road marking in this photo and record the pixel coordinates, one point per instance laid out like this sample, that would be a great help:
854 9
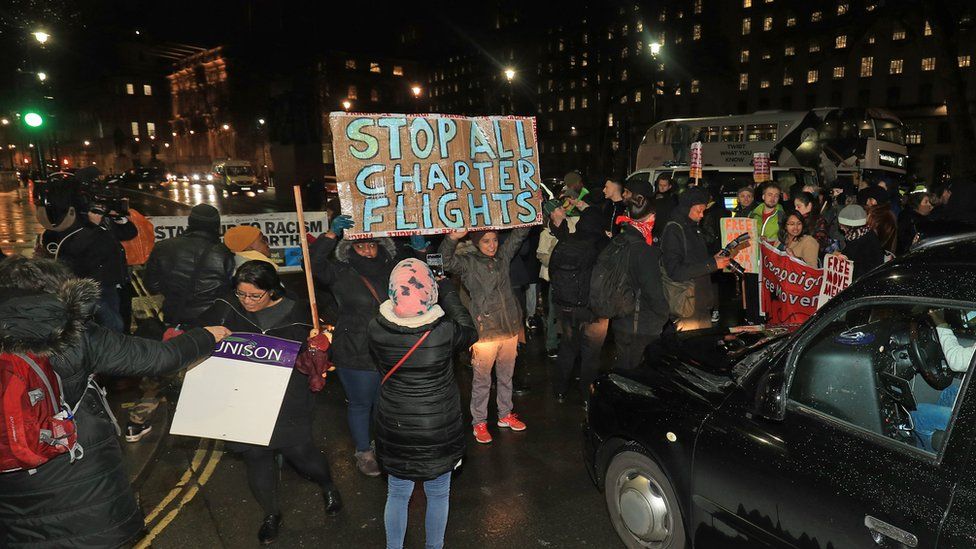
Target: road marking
187 486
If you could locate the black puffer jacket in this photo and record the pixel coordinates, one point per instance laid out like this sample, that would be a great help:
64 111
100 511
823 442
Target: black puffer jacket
90 251
685 256
651 313
356 304
88 503
170 268
419 428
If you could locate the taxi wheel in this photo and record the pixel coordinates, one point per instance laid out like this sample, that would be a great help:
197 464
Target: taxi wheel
642 504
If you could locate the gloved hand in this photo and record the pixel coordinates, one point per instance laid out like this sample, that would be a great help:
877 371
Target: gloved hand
340 224
418 242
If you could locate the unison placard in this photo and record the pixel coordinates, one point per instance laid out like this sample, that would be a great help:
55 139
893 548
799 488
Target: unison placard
403 174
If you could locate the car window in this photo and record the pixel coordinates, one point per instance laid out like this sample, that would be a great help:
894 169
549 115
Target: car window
892 370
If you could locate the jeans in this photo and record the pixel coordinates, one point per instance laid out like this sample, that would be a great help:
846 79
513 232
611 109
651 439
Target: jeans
486 355
108 312
395 514
929 418
582 337
362 388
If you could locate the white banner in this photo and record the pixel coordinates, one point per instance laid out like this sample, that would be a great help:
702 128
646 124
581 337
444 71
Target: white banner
838 274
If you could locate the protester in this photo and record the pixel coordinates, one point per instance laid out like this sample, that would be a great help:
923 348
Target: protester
259 304
485 273
665 201
77 501
882 221
248 244
418 423
814 224
686 259
570 267
555 218
633 333
613 206
711 223
940 193
745 201
190 271
912 219
359 270
862 245
796 240
524 273
769 214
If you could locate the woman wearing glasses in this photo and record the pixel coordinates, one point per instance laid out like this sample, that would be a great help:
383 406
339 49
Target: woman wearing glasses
259 305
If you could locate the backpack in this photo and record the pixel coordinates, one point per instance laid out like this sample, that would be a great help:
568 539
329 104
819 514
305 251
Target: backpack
612 295
38 425
570 269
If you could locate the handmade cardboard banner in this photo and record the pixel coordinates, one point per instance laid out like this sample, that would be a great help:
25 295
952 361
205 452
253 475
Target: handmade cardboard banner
838 273
402 174
761 172
747 256
790 289
281 229
695 168
236 393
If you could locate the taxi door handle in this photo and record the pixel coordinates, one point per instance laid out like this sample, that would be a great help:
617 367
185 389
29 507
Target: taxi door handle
880 530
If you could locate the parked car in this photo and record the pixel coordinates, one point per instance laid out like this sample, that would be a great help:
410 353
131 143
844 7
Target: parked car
148 178
820 438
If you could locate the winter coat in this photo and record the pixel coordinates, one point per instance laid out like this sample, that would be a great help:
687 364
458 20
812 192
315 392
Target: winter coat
496 313
524 268
547 242
294 425
170 271
91 251
651 313
769 229
866 253
882 221
356 304
743 211
685 257
664 206
910 223
88 503
418 423
805 248
711 226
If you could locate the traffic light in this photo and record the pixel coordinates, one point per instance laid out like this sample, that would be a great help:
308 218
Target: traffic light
33 119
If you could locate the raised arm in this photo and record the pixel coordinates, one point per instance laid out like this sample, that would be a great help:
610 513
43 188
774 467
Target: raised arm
511 246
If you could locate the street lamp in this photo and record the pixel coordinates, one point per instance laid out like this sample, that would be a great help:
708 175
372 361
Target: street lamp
509 74
226 126
260 121
42 76
41 36
87 143
655 49
347 104
416 90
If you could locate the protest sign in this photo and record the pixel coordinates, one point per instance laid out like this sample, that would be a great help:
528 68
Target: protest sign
403 174
747 256
760 167
790 288
838 273
281 229
236 393
695 169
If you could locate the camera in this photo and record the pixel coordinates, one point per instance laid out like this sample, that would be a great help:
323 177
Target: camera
730 248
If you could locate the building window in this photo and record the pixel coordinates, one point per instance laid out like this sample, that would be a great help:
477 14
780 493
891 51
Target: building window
913 137
928 63
928 29
744 56
660 87
697 6
838 73
695 86
746 25
787 79
791 21
789 51
744 81
896 67
696 32
374 95
151 129
768 24
134 126
551 124
623 75
840 42
130 89
610 120
624 52
842 9
816 16
572 103
639 26
637 96
964 61
352 93
766 56
898 34
764 84
584 103
146 89
397 70
561 105
663 16
867 66
351 64
746 3
562 147
623 30
814 47
812 76
871 39
374 67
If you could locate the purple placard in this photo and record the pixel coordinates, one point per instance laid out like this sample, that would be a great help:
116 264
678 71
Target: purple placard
259 349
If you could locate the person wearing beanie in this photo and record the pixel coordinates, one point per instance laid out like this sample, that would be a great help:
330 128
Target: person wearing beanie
485 273
248 243
204 217
862 245
419 422
769 213
881 219
687 262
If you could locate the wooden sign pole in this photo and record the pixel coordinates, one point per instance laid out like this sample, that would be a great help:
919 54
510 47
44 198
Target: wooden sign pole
306 261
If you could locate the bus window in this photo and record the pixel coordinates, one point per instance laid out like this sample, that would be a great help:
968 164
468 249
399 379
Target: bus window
761 132
712 134
731 134
865 130
891 131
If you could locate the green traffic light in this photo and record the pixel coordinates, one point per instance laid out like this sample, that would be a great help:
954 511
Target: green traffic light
33 119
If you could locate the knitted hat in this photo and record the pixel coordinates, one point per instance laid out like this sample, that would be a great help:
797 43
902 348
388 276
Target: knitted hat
572 179
240 237
853 216
204 217
413 289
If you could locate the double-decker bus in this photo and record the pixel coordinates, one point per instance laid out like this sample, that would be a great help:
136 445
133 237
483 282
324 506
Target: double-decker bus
838 143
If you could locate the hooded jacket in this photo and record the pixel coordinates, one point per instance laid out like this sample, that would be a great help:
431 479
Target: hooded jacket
419 426
343 274
88 503
493 306
685 256
170 271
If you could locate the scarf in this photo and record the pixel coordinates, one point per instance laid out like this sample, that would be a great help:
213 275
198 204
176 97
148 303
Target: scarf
856 232
644 227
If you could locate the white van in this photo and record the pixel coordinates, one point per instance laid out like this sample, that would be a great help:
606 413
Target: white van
236 175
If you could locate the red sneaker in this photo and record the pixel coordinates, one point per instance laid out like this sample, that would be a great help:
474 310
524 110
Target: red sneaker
512 422
481 433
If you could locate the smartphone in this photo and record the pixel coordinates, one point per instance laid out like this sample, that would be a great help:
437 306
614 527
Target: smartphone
436 264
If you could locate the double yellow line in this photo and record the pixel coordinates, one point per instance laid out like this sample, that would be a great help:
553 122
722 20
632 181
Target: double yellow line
204 462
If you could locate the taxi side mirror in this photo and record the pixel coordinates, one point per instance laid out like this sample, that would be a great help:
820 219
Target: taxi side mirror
770 401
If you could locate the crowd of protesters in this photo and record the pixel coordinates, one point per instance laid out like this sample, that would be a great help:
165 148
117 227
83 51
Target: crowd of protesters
636 263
